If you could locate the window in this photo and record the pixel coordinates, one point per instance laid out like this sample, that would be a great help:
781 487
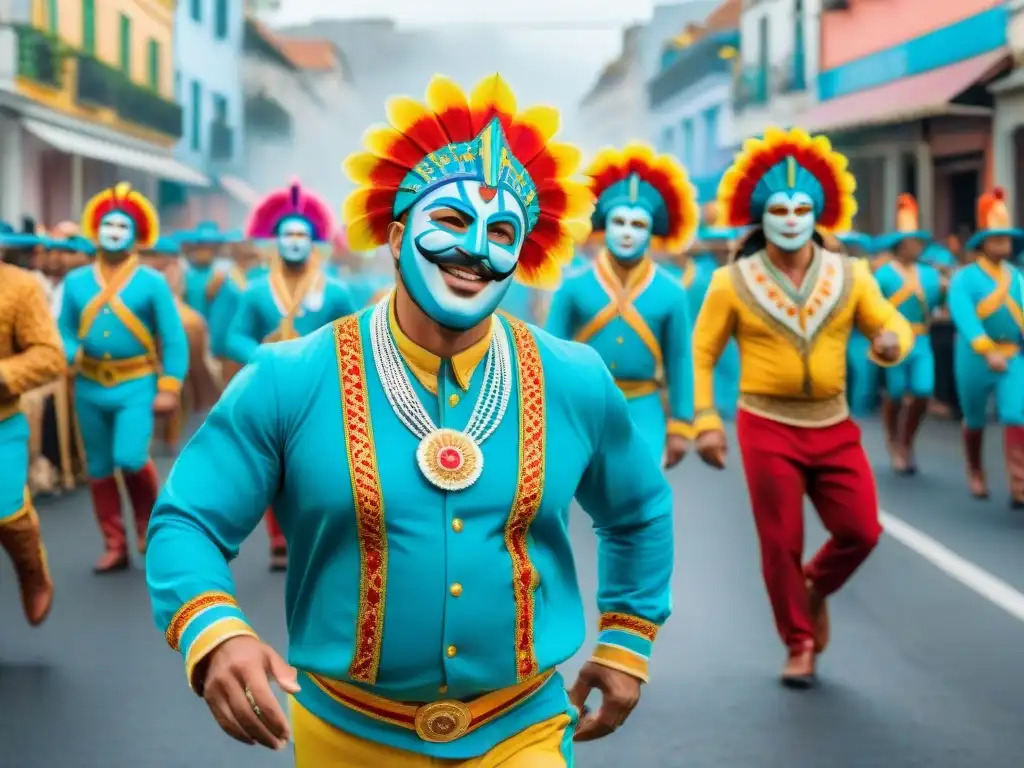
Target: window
220 19
799 59
220 109
196 109
197 10
688 148
668 137
153 61
89 26
126 45
763 61
53 15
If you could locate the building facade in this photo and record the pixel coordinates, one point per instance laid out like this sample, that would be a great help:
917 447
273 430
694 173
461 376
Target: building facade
86 98
208 84
690 97
613 111
1008 121
903 92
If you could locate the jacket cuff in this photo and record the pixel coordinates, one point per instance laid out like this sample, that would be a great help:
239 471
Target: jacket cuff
707 421
983 345
204 623
168 384
681 428
624 643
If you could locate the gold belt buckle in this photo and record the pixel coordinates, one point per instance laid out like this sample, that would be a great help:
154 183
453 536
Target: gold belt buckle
443 721
107 377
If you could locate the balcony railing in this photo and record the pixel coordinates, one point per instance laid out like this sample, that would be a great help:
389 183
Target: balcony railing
265 117
706 57
41 57
791 77
750 88
222 142
100 85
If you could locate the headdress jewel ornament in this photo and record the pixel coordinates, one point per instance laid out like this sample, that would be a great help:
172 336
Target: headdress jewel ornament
636 176
124 198
788 161
480 137
292 202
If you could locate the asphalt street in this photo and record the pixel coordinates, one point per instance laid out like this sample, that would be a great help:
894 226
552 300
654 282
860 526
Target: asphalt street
922 671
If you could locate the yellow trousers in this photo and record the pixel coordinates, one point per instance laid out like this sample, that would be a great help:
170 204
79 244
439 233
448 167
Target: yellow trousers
318 745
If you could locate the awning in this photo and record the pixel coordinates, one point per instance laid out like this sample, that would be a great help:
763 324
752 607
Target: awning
162 166
912 98
239 190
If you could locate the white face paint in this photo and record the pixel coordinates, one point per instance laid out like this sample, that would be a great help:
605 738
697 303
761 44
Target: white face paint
116 232
295 240
627 232
789 220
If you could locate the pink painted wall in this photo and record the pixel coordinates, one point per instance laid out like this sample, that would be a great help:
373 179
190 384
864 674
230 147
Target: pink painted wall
874 25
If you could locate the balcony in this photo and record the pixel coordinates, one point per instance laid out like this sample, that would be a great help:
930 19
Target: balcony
750 88
267 118
100 85
709 56
790 77
222 142
40 57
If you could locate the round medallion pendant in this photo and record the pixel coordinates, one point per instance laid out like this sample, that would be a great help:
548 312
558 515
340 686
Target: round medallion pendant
443 721
449 459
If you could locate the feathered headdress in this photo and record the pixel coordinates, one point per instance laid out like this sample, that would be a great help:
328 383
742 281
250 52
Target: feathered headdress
993 220
480 137
788 161
635 175
129 201
281 204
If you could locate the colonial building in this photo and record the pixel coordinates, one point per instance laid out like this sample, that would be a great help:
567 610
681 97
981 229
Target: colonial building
690 97
614 110
87 97
903 92
1008 128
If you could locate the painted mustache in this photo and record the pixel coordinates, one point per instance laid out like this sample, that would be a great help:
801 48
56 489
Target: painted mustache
456 256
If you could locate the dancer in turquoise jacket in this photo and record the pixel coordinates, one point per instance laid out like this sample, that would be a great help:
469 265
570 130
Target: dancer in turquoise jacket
861 373
915 289
112 316
985 301
432 563
630 310
213 284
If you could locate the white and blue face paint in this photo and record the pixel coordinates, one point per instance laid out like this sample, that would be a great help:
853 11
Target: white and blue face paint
627 232
116 232
460 248
295 240
789 220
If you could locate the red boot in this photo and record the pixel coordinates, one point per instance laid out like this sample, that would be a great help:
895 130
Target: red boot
278 545
143 487
976 480
106 503
20 536
1014 448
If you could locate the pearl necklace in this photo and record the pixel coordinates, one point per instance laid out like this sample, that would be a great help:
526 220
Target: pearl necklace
450 459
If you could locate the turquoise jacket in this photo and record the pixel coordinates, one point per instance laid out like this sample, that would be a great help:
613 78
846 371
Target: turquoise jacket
214 291
262 312
368 287
127 324
916 298
647 342
477 588
520 302
985 302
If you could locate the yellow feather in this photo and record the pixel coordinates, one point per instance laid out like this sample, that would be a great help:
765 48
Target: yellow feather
360 234
381 141
493 92
403 113
357 203
578 229
443 94
359 167
579 201
566 158
543 119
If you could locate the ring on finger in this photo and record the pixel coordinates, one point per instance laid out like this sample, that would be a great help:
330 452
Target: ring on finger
252 703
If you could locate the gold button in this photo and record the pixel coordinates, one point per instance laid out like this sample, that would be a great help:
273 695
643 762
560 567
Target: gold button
457 525
106 355
620 340
106 334
453 400
452 651
443 689
612 366
455 589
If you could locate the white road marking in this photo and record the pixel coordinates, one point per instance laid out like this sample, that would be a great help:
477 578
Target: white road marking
978 580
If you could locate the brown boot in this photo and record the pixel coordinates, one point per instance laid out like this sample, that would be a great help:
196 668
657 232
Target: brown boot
106 504
976 480
819 618
916 411
799 672
20 536
143 487
891 412
1014 447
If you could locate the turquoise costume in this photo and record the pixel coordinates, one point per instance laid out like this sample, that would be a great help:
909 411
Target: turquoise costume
415 586
642 329
213 284
112 316
862 374
916 291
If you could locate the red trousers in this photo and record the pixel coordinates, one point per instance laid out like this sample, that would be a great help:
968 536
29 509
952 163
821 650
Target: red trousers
784 463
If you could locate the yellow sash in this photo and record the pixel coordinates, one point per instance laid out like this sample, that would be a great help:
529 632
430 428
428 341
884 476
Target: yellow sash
910 288
109 296
689 272
1000 296
291 303
621 305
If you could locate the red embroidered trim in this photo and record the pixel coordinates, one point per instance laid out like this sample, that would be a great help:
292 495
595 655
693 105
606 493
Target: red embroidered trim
626 623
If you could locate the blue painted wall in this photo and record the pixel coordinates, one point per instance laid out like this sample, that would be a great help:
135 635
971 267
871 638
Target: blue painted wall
968 38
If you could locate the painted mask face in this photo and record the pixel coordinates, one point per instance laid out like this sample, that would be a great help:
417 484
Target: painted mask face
459 250
627 232
789 220
116 233
295 240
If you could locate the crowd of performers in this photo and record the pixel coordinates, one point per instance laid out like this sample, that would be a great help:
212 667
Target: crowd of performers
414 438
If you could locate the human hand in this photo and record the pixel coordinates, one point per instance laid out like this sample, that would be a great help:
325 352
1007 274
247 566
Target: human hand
886 346
620 693
236 688
996 361
166 402
712 448
675 450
